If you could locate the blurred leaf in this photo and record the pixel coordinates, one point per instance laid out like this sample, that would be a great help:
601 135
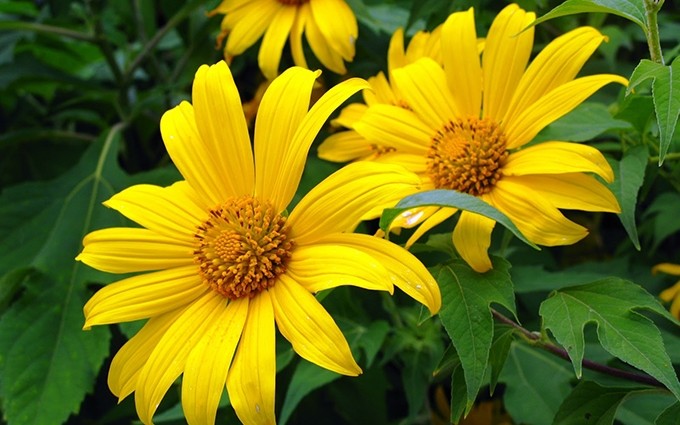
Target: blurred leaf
306 378
611 304
466 299
637 110
633 10
629 174
590 404
586 122
666 95
669 416
535 384
664 213
498 354
416 377
643 408
371 339
451 199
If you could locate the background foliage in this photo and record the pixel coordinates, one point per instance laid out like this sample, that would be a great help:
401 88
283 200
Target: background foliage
83 85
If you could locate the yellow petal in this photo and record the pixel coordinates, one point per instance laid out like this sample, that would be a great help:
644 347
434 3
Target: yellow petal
328 57
132 356
558 158
675 307
668 268
252 377
127 250
282 109
304 322
167 360
534 216
309 267
381 92
250 26
414 163
422 86
337 23
344 146
338 203
506 53
224 131
296 49
438 217
407 272
472 238
425 44
573 191
554 105
274 39
388 125
461 62
170 211
143 296
558 63
207 366
396 55
350 114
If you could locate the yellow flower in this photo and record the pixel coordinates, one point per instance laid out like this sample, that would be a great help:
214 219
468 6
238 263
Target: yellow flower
471 120
228 262
329 25
671 294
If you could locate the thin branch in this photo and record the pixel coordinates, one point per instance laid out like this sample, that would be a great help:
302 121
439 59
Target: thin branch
652 8
535 339
46 29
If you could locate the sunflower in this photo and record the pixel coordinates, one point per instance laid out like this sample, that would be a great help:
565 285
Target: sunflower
329 25
469 124
672 294
228 263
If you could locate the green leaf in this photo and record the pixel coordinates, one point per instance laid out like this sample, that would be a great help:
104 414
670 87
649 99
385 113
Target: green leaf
590 404
535 384
466 314
611 304
584 123
306 378
500 347
459 398
451 199
633 10
666 96
629 174
663 212
669 416
642 408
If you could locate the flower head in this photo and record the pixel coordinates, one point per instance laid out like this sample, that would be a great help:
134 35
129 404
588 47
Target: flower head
672 294
471 118
226 261
329 25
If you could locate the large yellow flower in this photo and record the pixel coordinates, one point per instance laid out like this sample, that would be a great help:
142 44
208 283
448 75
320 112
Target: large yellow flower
228 262
471 120
329 25
672 294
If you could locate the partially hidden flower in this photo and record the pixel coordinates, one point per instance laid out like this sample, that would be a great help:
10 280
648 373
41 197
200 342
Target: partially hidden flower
469 124
672 294
227 263
330 28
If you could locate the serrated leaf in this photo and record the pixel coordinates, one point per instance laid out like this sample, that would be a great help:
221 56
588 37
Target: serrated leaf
633 10
500 347
451 199
466 315
629 174
535 384
612 305
590 404
584 123
306 378
666 96
669 416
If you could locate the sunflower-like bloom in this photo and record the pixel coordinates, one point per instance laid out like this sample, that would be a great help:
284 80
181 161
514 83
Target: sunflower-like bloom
470 122
227 262
329 26
672 294
349 145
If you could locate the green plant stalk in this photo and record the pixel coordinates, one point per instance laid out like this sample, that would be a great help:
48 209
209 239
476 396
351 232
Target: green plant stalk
652 8
46 29
536 340
671 156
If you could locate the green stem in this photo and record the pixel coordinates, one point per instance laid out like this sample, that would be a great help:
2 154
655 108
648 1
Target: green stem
46 29
670 156
535 339
652 8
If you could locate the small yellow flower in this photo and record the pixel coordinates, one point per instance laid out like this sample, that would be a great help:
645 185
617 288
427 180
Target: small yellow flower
672 294
329 25
227 262
470 121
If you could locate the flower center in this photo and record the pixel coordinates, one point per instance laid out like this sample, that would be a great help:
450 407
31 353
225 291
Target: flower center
467 156
293 2
242 247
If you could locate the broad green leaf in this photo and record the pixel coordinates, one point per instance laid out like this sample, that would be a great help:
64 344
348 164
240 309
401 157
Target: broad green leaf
629 174
466 314
612 304
371 339
536 382
663 212
669 416
306 378
643 408
666 96
633 10
586 122
451 199
416 376
500 347
459 398
590 404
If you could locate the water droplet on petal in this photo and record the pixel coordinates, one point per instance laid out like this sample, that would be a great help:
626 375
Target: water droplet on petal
418 287
257 408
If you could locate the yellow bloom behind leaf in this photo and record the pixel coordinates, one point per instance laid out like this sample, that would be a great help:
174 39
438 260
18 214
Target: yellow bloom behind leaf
330 28
227 264
672 294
